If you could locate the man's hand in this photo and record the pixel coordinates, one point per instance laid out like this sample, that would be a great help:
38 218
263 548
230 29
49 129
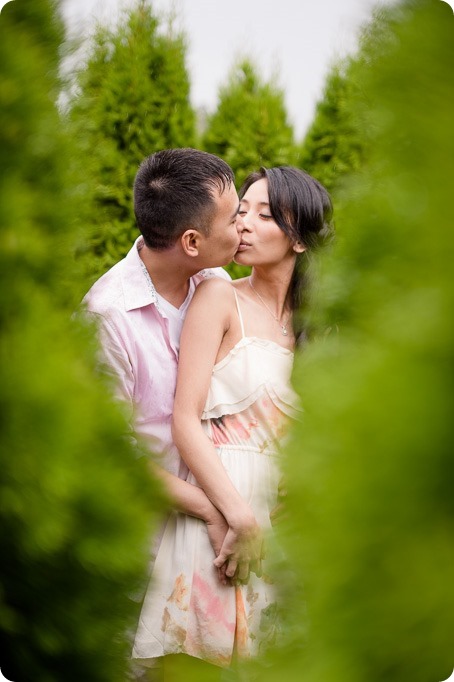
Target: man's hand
217 528
242 550
279 512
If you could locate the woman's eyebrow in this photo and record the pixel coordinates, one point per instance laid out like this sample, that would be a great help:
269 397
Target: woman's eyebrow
260 203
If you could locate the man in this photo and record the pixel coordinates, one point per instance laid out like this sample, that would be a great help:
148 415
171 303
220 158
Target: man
186 207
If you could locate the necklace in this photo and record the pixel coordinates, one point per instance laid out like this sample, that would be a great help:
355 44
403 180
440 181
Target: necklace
283 326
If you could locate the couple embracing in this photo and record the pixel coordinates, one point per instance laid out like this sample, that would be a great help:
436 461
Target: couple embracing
210 398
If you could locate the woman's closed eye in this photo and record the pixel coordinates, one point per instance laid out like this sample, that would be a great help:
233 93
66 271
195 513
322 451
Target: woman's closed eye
264 216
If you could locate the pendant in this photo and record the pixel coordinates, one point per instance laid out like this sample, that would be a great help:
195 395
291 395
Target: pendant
284 331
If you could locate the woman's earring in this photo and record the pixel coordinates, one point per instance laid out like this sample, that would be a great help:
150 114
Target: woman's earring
298 247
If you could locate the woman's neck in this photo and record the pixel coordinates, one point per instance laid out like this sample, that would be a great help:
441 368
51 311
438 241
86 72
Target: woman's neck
273 286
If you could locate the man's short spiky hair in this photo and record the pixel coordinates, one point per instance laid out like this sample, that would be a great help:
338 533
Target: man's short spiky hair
174 190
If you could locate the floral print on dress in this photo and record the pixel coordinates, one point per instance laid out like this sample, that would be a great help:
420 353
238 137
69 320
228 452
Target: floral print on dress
257 426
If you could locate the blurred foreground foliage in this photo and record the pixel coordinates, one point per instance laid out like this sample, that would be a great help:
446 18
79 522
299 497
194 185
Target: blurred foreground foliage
76 503
368 590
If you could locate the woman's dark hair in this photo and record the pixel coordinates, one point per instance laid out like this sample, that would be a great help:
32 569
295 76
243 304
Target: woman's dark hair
302 208
174 190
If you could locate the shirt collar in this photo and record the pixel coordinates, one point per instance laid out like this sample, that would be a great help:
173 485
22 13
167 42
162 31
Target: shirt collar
138 288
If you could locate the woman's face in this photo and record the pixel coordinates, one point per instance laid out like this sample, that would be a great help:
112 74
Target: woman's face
262 240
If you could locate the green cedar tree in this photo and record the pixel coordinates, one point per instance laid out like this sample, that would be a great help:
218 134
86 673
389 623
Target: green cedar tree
334 143
250 127
132 99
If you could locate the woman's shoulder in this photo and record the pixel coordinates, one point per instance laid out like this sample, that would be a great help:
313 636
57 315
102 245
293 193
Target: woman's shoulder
214 295
211 305
214 286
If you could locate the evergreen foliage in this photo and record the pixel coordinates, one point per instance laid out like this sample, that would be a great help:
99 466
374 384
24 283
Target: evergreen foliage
76 502
249 128
368 534
334 143
132 100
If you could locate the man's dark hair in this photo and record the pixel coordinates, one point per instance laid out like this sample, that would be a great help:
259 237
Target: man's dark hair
174 190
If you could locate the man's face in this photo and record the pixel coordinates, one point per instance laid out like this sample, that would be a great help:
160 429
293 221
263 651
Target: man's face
219 247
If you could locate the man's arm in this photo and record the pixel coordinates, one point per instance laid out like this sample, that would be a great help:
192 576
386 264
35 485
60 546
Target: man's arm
191 500
185 497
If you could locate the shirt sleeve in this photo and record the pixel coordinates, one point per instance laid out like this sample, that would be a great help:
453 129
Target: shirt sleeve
114 363
113 359
220 272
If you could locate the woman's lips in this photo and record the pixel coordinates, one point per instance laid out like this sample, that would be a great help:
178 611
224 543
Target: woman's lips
243 246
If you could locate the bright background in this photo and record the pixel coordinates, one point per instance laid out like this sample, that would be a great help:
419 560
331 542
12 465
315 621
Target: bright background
298 40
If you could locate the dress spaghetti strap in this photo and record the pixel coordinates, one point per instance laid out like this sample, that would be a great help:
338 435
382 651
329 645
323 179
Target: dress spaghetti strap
239 314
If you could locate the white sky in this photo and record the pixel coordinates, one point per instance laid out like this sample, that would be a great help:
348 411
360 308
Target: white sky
297 39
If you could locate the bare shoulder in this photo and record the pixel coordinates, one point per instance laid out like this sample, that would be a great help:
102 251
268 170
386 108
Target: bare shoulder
212 304
214 287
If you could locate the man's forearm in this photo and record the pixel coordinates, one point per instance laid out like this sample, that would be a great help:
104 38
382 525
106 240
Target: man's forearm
191 500
185 497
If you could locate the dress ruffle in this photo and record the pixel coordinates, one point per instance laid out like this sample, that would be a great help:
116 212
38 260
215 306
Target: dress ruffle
246 374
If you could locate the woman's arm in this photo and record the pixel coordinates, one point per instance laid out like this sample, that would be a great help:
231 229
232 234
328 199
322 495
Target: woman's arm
208 319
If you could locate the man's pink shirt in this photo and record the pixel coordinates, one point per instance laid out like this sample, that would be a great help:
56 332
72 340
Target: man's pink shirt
136 349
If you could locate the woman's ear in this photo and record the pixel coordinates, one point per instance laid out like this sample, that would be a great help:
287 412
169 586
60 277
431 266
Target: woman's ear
190 241
298 247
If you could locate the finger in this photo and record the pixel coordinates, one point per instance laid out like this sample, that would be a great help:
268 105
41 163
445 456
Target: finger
222 576
221 559
231 568
243 572
256 567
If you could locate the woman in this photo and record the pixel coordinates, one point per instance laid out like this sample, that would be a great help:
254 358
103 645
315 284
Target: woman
232 404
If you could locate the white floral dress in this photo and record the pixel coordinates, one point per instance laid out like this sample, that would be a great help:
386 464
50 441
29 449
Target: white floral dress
186 608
